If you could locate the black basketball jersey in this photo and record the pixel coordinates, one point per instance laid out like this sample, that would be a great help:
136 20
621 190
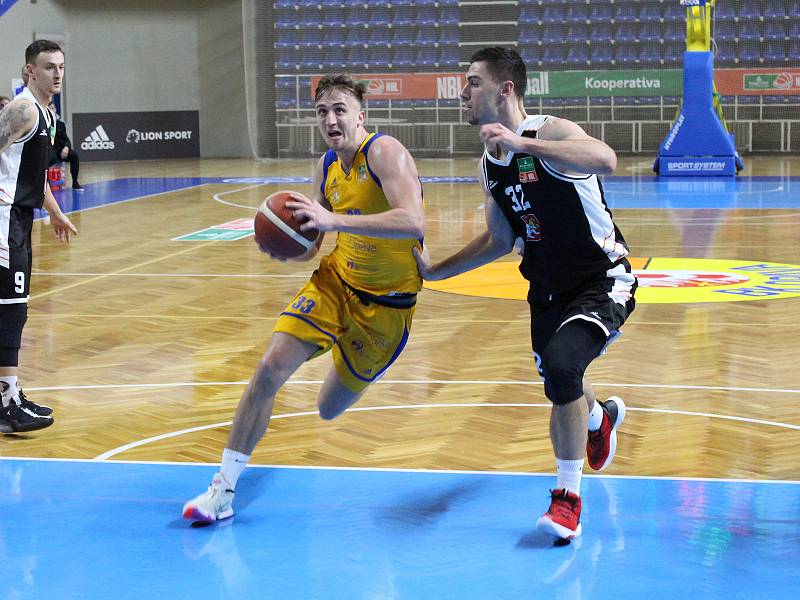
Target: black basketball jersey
23 166
570 239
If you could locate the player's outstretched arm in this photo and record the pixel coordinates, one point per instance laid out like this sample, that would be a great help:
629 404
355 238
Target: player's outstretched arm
496 241
560 142
16 119
394 166
63 228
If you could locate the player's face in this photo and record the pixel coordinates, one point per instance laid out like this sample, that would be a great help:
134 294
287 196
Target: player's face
481 98
340 119
47 72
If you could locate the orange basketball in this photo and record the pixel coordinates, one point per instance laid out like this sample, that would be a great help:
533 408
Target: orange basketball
278 232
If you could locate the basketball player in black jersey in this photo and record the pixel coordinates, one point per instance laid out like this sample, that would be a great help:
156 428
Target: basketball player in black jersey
539 175
26 134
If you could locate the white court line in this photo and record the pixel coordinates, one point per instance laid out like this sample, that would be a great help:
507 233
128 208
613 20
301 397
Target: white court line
395 470
164 436
416 381
218 197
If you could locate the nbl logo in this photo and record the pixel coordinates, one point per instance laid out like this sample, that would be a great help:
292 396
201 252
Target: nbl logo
97 140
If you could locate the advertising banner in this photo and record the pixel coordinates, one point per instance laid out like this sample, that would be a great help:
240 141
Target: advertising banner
565 84
757 82
408 86
136 135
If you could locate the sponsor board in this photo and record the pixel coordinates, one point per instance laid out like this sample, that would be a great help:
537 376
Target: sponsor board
407 86
757 82
132 136
682 166
226 232
661 281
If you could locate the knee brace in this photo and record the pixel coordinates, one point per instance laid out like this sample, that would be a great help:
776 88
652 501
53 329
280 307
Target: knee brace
566 357
12 320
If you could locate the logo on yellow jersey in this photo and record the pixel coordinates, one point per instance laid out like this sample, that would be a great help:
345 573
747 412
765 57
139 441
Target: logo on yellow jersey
362 172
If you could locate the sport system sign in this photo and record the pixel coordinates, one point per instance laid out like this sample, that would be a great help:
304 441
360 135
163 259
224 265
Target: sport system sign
132 136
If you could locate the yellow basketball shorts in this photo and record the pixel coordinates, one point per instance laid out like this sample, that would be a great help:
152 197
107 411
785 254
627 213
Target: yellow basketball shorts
366 338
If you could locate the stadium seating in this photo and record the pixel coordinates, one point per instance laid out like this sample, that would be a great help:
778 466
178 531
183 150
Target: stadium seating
600 55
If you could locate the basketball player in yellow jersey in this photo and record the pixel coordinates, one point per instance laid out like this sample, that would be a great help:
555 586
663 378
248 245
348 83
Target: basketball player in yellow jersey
359 302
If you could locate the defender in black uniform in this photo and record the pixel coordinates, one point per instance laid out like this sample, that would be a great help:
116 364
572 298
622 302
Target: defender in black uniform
539 174
26 134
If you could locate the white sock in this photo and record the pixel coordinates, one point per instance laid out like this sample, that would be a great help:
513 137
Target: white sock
233 463
568 475
595 417
8 392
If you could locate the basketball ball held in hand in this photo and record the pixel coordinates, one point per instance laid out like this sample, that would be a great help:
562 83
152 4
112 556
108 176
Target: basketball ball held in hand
278 232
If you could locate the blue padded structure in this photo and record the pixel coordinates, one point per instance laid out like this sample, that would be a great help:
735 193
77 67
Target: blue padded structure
698 133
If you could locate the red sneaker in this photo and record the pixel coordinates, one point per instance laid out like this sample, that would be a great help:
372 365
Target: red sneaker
602 444
563 518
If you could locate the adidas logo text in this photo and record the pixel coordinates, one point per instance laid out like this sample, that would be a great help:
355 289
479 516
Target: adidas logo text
97 140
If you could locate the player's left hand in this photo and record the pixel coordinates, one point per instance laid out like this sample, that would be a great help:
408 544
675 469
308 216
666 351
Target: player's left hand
315 215
63 229
496 134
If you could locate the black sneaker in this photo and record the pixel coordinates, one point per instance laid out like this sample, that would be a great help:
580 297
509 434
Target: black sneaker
76 187
16 418
38 409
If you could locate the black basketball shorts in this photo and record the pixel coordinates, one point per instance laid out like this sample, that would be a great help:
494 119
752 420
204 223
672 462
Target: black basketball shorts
16 224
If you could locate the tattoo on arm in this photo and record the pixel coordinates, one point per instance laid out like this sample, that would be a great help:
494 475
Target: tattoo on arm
15 121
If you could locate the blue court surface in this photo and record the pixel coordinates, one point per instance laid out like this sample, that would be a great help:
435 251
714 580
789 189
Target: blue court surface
91 529
622 192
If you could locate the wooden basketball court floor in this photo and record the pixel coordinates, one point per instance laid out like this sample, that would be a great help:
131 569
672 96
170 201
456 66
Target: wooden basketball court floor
431 486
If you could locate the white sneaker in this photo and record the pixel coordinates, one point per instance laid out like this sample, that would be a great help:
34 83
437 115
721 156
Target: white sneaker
212 505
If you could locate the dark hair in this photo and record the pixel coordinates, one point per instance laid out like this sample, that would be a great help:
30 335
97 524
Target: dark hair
343 82
504 64
38 47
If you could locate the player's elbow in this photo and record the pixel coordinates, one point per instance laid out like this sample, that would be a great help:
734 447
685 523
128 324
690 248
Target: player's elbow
417 227
608 163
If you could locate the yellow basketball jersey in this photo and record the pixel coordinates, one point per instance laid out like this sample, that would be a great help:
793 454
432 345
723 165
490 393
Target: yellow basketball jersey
379 266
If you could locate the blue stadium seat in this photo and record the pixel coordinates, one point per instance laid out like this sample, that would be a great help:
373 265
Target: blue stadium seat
600 12
774 30
530 15
553 56
600 55
579 31
649 32
624 13
626 32
285 39
285 4
531 55
309 59
378 37
357 58
673 53
725 11
650 12
672 11
793 31
425 57
553 34
287 59
309 16
726 53
553 13
578 56
749 9
332 59
402 36
625 54
286 18
426 3
529 35
601 33
725 30
356 37
749 54
332 36
404 15
775 9
749 30
448 36
650 54
426 36
427 16
775 53
449 15
576 13
793 8
449 57
380 16
379 58
403 57
675 31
